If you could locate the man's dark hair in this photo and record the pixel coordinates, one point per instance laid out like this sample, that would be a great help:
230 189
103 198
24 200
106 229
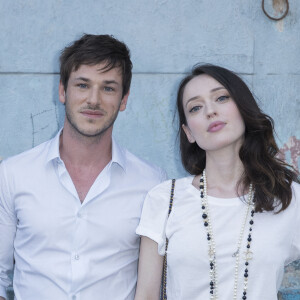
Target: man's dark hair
95 49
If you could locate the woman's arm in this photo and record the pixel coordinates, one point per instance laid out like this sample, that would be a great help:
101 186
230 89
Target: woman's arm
149 271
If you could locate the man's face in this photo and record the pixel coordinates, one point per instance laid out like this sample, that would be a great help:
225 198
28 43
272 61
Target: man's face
93 99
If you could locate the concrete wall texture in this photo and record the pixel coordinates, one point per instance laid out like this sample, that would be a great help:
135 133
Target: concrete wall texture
166 38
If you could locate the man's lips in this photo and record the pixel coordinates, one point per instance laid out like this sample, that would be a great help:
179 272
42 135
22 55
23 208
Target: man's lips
92 113
215 126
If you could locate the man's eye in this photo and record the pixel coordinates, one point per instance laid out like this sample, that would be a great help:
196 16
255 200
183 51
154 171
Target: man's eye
195 108
82 85
223 98
108 89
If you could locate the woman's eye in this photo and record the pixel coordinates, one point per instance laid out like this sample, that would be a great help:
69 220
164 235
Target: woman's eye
195 108
223 98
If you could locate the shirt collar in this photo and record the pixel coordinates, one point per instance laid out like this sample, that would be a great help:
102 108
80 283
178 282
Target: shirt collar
118 153
53 151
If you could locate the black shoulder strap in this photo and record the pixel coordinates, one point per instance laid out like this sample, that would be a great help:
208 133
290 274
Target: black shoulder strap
164 275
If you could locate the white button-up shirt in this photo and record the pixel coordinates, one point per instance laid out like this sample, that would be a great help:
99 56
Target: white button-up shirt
64 249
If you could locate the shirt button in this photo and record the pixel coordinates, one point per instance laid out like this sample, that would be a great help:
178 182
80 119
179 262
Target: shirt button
77 258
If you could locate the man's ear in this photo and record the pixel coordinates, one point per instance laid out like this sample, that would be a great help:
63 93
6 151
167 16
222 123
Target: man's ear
124 102
188 133
61 93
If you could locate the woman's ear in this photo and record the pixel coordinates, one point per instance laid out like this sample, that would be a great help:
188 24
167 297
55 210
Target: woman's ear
188 133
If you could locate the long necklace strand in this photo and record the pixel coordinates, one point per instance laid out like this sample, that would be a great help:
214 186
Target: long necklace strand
213 286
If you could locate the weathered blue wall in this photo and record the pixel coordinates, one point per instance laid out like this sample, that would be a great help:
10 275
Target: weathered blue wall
166 38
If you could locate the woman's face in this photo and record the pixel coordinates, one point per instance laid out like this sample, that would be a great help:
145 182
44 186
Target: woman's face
213 119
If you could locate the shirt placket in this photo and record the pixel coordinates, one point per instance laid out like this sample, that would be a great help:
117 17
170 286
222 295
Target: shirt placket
79 265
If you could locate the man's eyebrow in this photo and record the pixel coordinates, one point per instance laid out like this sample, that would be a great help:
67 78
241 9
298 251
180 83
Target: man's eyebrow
110 82
82 79
88 80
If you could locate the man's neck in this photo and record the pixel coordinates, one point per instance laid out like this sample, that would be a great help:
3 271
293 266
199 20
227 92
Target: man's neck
85 158
83 151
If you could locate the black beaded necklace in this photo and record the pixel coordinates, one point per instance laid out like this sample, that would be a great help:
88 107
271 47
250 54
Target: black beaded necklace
211 243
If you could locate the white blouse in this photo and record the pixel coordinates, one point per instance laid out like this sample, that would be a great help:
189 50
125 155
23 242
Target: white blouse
275 242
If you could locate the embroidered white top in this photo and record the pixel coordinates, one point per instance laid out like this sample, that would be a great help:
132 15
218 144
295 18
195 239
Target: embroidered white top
275 242
64 249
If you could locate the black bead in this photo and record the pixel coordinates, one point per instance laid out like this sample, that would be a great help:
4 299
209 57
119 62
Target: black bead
244 293
249 239
246 275
204 216
244 298
246 263
211 283
248 246
211 292
205 224
246 270
203 207
251 222
201 180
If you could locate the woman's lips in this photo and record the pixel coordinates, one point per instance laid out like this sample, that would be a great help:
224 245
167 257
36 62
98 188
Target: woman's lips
215 126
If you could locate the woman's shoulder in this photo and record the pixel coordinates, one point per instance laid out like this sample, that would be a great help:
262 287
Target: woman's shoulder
296 193
165 187
296 189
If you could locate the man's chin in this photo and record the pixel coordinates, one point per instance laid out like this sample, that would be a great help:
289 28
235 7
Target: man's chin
91 132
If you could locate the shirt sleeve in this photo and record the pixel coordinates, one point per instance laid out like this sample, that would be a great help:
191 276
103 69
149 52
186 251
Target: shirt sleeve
7 232
155 215
295 247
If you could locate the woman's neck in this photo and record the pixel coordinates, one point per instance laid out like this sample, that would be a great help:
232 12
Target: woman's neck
224 169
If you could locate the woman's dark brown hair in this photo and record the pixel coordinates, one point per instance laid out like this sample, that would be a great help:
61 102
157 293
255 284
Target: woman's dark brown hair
270 176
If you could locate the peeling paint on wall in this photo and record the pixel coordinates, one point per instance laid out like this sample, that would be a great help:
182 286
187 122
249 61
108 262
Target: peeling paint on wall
290 152
279 7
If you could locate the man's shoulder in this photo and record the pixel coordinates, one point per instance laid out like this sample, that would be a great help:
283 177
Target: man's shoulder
28 157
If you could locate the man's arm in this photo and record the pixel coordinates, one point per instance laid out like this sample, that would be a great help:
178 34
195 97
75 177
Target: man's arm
7 232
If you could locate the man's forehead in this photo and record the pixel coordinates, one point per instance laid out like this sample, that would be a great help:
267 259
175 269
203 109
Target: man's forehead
102 68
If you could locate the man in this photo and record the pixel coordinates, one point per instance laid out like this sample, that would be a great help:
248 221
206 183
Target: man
70 206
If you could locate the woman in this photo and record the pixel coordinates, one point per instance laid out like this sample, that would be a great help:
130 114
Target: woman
235 222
